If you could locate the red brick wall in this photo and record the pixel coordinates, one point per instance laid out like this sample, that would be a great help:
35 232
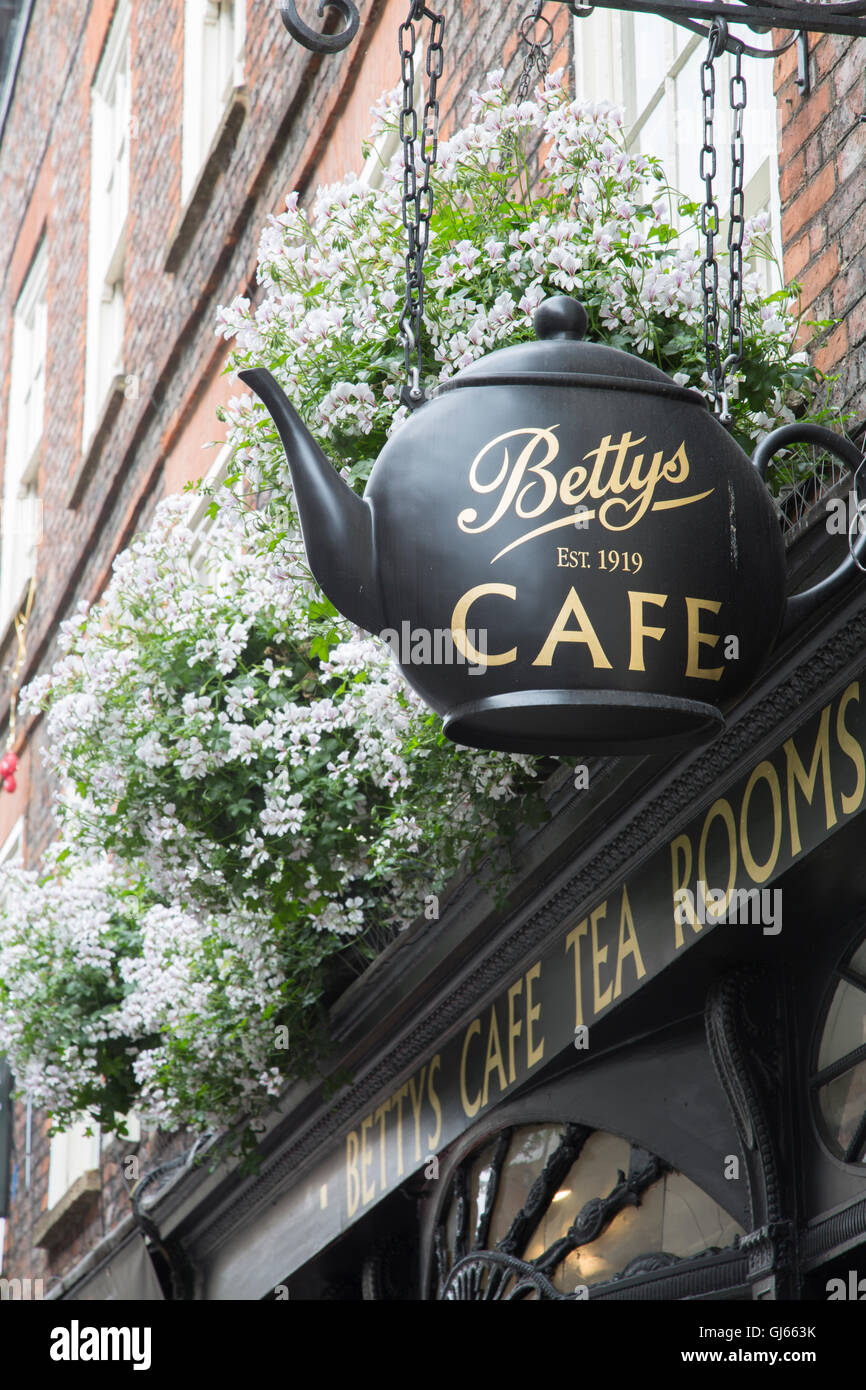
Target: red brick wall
22 1260
822 161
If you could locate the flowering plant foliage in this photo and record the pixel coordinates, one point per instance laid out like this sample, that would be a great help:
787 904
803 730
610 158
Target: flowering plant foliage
254 768
250 787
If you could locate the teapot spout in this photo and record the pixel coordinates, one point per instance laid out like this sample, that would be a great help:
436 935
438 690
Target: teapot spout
336 524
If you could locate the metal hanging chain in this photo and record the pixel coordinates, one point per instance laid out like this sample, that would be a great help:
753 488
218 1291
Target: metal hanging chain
417 198
736 224
719 371
537 56
710 216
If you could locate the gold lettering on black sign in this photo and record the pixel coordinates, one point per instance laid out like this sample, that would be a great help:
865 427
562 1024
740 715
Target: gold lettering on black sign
616 479
573 624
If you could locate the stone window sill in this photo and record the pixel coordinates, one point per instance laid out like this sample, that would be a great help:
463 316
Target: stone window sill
96 442
192 214
65 1218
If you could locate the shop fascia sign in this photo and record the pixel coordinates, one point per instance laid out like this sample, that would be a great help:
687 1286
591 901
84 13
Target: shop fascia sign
713 875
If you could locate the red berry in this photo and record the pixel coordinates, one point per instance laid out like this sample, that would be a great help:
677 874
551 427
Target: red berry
12 760
6 769
9 783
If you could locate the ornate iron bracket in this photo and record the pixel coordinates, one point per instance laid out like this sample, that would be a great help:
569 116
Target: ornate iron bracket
310 38
802 16
750 1063
760 15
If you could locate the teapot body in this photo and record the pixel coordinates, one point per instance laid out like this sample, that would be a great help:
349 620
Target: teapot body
574 567
565 550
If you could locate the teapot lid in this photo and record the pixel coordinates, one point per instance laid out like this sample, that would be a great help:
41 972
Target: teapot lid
560 357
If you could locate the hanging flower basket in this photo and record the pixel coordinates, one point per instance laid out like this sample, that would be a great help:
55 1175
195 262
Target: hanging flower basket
266 786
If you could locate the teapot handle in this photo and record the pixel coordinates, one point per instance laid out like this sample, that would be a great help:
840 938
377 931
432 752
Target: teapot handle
799 606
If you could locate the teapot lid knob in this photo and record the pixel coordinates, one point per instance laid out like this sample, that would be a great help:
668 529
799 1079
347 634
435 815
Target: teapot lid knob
560 317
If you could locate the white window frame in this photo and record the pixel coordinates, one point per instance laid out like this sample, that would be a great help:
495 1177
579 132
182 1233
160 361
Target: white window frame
387 143
198 521
214 37
12 849
72 1153
20 519
607 56
109 205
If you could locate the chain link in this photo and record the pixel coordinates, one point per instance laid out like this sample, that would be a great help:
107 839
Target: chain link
718 371
737 223
417 198
710 214
537 56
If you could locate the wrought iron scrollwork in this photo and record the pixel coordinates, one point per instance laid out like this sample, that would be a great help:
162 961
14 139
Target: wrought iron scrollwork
595 1215
473 1271
655 1260
541 1193
311 38
760 15
804 16
492 1276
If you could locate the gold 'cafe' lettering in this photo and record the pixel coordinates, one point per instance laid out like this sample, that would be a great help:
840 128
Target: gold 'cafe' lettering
615 468
497 1049
585 633
486 1057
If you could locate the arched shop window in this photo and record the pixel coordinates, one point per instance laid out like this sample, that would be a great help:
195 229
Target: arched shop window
539 1210
840 1079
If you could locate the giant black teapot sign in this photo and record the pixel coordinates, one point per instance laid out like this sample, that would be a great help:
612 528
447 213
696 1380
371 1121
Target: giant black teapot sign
617 550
